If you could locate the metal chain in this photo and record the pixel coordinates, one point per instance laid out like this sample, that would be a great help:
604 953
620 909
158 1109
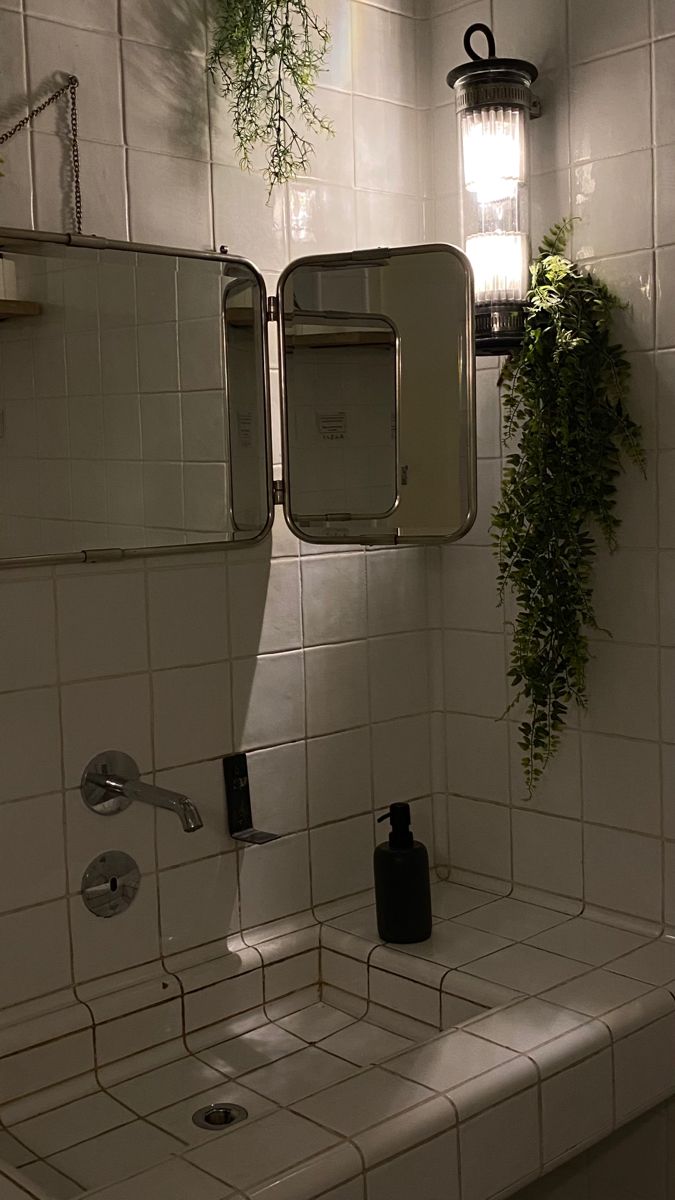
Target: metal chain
70 87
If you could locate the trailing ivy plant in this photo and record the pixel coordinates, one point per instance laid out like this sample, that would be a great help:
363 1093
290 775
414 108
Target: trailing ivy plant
564 394
266 56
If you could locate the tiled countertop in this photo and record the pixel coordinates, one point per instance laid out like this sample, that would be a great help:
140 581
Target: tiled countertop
556 1029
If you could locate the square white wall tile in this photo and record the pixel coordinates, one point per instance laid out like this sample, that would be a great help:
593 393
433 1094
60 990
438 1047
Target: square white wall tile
268 697
27 641
337 687
399 682
29 719
631 276
169 202
387 219
27 975
274 880
606 25
264 607
192 714
480 837
339 775
547 853
477 757
607 225
401 759
32 852
188 615
184 30
397 591
102 625
198 903
384 55
386 146
321 218
341 858
333 598
622 871
626 595
156 119
621 782
475 673
610 106
244 221
623 691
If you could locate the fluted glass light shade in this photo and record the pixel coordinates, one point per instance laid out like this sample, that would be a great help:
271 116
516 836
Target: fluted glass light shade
494 104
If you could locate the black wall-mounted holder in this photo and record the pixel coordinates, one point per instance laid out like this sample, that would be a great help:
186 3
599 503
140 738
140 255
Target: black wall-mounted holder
238 800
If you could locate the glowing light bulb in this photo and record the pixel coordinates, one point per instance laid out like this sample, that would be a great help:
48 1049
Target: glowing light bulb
500 264
493 146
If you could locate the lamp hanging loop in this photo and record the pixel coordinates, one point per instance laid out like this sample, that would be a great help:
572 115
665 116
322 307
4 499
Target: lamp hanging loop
479 27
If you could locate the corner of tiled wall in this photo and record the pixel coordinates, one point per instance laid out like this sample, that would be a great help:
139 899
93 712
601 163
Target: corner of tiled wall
598 832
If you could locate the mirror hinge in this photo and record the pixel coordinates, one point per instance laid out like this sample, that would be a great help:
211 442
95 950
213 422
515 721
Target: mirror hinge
278 491
272 308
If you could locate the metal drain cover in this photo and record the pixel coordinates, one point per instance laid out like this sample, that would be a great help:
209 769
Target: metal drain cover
218 1116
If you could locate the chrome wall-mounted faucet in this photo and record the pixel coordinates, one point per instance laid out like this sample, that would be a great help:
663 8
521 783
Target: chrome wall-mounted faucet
111 781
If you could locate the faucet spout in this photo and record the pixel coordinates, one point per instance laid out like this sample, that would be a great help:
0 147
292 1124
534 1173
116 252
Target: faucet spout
112 781
149 793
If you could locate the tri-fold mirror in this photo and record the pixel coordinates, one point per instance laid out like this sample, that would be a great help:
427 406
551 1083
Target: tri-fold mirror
135 409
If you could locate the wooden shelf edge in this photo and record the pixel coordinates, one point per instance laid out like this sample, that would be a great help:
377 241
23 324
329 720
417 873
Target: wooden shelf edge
19 308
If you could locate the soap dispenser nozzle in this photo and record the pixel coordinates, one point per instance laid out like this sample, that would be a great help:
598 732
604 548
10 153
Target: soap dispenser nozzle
400 834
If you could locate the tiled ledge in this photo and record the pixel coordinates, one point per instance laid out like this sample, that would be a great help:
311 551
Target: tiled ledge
557 1030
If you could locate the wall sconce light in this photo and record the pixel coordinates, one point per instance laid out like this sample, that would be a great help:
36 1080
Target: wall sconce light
494 104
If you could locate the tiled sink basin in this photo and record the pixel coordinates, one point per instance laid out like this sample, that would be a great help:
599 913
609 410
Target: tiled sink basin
517 1033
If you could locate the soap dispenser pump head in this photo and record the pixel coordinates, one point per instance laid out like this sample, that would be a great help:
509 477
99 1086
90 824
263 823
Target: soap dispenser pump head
400 834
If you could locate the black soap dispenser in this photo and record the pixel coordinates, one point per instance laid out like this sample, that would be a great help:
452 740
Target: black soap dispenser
402 883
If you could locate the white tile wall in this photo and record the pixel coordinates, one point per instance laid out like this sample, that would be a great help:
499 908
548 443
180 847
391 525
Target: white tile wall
595 829
179 663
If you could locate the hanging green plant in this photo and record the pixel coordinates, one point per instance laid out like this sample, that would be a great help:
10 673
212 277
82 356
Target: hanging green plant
266 56
564 394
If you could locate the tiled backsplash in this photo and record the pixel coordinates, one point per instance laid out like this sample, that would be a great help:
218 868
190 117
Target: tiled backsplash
317 663
599 831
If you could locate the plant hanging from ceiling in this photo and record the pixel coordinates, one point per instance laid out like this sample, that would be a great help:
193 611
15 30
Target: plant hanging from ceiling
564 394
266 56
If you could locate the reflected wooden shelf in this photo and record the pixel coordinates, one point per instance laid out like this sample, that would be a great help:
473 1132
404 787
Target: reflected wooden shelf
19 308
330 339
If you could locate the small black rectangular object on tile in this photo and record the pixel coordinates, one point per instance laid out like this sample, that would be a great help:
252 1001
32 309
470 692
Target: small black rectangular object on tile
238 801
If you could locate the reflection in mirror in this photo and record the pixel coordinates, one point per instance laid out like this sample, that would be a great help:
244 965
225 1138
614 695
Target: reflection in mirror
116 431
378 367
343 369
